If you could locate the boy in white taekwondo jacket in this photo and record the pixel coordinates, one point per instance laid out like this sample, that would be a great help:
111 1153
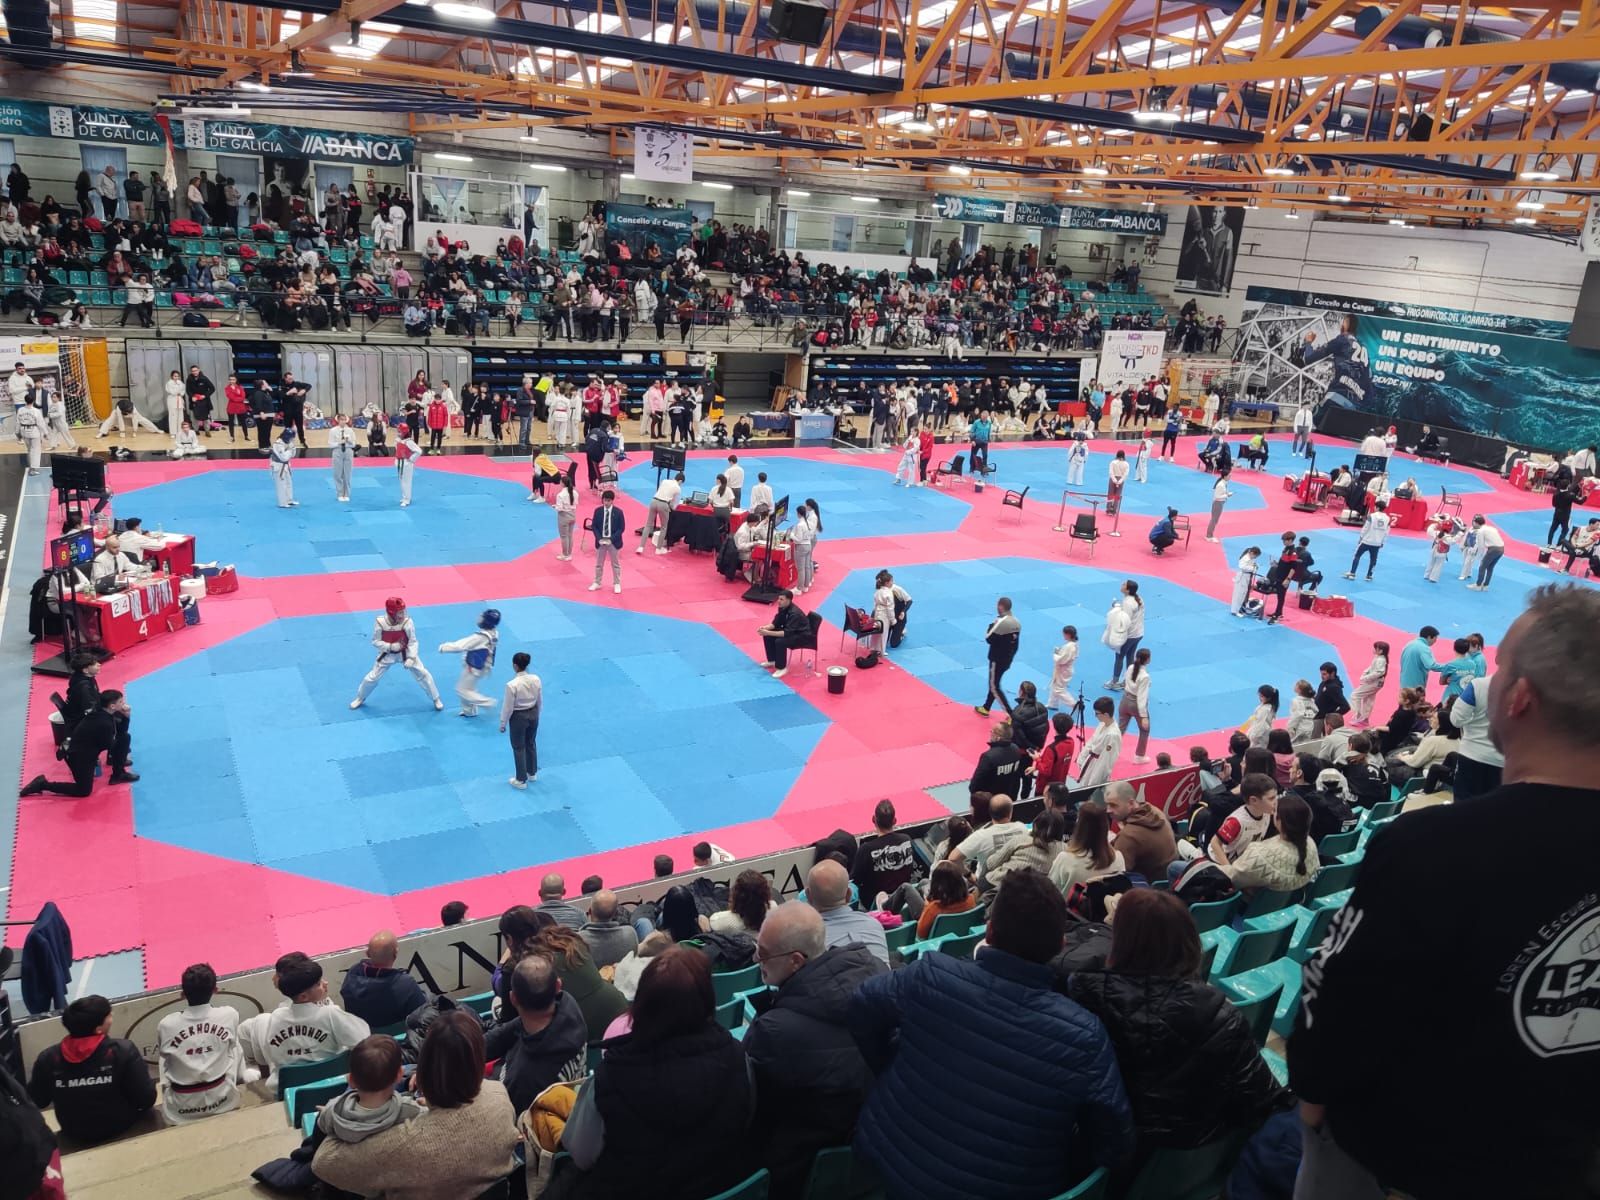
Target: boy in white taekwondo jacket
395 639
202 1062
406 453
30 428
307 1027
282 471
342 441
477 660
1100 751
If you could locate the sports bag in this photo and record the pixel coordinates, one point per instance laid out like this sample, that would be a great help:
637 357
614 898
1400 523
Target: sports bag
865 662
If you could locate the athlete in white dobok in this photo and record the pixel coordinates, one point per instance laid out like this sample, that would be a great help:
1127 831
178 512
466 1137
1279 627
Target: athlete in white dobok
395 639
477 660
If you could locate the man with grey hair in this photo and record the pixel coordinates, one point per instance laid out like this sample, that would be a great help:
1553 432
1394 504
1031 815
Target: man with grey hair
1509 977
828 891
810 1076
552 900
610 940
1144 835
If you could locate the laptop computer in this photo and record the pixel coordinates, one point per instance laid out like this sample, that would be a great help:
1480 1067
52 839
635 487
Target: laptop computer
700 499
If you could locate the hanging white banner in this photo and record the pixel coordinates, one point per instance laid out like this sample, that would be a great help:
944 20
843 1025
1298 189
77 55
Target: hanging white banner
1130 356
665 155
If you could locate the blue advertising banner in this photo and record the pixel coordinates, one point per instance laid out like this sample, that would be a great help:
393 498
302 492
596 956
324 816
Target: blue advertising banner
80 122
292 141
640 225
1495 374
1048 216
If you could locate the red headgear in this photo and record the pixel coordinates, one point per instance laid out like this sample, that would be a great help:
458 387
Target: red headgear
395 607
405 430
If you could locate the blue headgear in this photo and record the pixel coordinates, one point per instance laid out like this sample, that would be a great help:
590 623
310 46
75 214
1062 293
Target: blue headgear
490 618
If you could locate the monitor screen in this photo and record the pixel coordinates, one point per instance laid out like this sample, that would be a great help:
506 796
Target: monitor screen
73 550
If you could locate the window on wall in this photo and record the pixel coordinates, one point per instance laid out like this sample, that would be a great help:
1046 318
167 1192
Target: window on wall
844 232
8 155
95 160
95 19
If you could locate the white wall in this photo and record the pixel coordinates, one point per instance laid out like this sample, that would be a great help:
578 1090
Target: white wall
1475 270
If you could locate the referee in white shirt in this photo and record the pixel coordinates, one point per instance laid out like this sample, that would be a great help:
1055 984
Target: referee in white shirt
668 493
734 474
761 493
523 698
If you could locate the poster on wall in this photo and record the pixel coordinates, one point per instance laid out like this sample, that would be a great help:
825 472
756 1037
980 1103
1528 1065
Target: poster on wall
640 227
1489 373
664 155
1130 356
288 189
41 357
1211 236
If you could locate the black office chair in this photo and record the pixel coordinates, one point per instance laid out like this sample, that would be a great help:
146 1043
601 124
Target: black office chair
1083 530
809 641
1014 500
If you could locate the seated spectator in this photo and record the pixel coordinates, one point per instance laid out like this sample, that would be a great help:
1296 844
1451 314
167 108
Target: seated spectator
452 912
1283 862
547 1043
809 1076
1063 1101
376 990
600 1001
987 840
1366 772
1037 852
460 1146
1088 854
306 1027
552 900
828 891
749 901
949 891
372 1104
1144 835
98 1083
884 860
676 1080
201 1058
1189 1062
610 940
628 972
1000 767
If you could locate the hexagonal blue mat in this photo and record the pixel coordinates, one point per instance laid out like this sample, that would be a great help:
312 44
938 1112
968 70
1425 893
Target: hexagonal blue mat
652 728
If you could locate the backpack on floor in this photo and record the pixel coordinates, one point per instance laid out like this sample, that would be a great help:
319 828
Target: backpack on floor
865 662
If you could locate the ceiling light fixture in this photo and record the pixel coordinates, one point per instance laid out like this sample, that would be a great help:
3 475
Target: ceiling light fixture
1399 221
464 12
865 199
546 167
1277 171
1540 170
1097 167
1531 205
720 187
1524 220
232 110
958 169
1292 215
250 85
1338 197
444 156
799 193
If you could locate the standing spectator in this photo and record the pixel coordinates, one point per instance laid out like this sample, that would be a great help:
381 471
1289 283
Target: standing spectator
828 891
810 1078
548 1041
1020 1039
307 1027
196 196
1385 1109
1000 769
202 1061
1374 532
1416 659
608 526
105 184
1492 548
1479 761
1331 704
1220 495
884 860
460 1146
376 990
133 189
1144 835
161 200
1003 636
98 1083
678 1079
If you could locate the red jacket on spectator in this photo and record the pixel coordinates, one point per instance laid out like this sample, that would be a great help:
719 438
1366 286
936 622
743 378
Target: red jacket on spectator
438 415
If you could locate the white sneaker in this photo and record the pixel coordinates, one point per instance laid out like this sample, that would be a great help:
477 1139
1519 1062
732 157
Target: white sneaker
1141 758
344 499
1211 539
517 783
594 587
780 672
662 550
563 558
356 703
438 706
534 496
617 588
640 550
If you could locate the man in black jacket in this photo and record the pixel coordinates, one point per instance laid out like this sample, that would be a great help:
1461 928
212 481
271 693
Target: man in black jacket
293 407
1003 635
1331 704
789 626
99 1084
103 731
1506 975
264 407
376 990
809 1074
548 1043
1000 767
83 693
884 860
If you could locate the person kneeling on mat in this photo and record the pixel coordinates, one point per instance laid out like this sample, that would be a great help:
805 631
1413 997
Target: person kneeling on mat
104 730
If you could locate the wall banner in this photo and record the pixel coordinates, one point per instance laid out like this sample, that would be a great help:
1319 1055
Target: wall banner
639 225
79 122
1130 356
1049 216
295 141
664 155
1493 374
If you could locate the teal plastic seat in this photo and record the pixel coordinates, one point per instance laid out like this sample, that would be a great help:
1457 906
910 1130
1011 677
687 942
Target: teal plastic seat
1329 880
1382 812
901 936
1215 914
1265 903
78 278
1309 936
1253 949
308 1124
755 1188
305 1099
948 923
1337 845
838 1174
731 1015
728 984
1258 1013
303 1073
1197 1174
482 1003
962 945
1095 1187
594 1057
100 296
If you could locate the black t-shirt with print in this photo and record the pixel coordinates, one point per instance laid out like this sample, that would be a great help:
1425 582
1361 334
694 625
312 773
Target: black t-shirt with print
1451 1023
882 863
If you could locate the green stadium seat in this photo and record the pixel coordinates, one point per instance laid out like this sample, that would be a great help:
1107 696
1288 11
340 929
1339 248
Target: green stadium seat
78 278
100 296
901 936
1254 949
731 1015
756 1187
482 1003
1216 914
957 923
962 945
1257 1012
1329 880
212 246
98 278
304 1099
728 984
119 296
1336 845
303 1073
837 1174
1197 1174
163 299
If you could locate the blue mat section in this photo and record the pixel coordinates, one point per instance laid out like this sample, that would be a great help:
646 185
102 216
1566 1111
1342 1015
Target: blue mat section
652 728
855 501
1173 485
1401 597
1430 476
1531 525
1205 664
452 519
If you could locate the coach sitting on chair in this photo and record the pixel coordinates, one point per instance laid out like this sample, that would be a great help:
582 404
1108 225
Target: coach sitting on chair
103 731
789 626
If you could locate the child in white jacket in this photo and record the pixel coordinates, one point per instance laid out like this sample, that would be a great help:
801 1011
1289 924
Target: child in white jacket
1302 712
1370 683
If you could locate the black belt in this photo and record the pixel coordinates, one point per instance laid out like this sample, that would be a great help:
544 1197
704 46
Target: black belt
186 1088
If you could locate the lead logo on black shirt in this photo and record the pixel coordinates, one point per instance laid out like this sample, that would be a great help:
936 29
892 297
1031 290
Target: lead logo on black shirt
1555 983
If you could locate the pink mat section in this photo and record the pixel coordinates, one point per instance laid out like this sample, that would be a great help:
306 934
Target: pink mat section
892 735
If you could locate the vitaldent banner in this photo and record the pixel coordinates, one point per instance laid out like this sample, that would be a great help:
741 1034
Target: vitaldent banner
80 122
1489 373
638 225
293 141
1051 216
